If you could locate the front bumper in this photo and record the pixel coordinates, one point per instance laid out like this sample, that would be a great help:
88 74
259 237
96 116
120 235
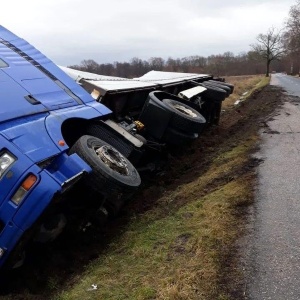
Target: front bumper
63 172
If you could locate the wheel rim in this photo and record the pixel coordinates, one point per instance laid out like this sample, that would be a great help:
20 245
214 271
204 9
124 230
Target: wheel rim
185 110
113 159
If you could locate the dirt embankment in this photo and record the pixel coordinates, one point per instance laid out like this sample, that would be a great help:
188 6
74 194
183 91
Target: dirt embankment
177 239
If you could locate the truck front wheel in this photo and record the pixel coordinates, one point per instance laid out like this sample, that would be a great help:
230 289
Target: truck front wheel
112 173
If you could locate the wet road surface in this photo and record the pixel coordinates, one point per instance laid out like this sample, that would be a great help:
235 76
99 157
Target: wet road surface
272 259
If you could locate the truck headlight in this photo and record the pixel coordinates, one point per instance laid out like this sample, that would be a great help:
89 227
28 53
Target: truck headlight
23 189
6 160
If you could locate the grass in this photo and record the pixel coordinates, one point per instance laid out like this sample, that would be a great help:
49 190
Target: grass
181 248
173 256
244 86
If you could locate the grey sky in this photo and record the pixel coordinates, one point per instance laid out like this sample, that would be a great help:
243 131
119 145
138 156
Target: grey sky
68 31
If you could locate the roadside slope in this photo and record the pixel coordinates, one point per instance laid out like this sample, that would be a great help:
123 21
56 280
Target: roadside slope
177 238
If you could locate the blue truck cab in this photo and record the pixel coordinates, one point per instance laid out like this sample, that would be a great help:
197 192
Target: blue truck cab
55 135
37 100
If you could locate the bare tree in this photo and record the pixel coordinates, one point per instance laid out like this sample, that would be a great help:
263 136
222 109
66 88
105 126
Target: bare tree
89 65
156 63
292 35
269 47
293 25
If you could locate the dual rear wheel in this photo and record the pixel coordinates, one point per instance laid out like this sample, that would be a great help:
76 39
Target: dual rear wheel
185 123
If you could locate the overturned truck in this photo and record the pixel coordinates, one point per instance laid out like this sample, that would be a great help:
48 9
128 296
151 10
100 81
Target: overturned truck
62 129
159 108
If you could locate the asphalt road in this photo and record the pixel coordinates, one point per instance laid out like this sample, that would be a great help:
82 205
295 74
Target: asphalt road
273 253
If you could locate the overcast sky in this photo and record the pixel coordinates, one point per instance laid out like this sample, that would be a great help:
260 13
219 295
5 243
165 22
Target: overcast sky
68 31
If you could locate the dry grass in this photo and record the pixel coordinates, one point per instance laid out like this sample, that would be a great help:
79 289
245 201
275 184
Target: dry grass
176 256
243 87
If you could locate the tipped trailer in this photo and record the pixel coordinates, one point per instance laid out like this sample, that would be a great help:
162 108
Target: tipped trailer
59 133
159 107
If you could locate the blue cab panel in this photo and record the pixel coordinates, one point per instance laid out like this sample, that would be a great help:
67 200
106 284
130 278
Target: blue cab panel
35 82
36 97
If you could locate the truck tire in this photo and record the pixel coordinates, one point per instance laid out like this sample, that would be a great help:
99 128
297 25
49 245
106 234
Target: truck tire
231 86
112 173
16 259
176 137
184 117
216 85
112 139
214 93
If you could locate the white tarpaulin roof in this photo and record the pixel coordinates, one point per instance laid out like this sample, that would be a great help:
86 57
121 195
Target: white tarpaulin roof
161 77
150 79
78 75
109 85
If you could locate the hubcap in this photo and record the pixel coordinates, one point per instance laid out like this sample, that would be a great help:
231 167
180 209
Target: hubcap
112 158
185 110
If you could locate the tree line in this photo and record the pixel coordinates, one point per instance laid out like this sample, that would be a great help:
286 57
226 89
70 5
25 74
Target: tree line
276 50
291 39
220 65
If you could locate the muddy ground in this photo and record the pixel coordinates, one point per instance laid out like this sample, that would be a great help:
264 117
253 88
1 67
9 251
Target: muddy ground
50 268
